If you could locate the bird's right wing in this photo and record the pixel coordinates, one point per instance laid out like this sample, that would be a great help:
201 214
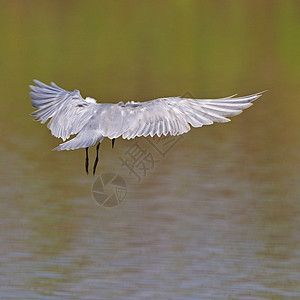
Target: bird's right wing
68 111
172 115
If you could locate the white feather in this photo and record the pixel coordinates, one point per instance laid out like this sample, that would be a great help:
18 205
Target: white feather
70 114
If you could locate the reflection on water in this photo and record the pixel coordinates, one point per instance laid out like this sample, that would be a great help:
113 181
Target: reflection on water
217 217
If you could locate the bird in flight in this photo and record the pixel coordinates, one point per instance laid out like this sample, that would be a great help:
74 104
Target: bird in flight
71 114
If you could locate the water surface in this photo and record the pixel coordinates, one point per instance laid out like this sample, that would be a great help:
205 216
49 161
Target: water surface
217 217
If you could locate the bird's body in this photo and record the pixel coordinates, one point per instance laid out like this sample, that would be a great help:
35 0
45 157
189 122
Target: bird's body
71 114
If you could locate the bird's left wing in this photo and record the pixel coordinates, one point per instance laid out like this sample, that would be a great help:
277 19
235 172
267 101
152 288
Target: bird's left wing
68 111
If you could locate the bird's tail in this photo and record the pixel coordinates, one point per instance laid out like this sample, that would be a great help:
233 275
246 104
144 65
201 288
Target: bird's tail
84 139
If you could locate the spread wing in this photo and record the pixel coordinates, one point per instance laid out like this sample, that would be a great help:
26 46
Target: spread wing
71 114
68 111
167 115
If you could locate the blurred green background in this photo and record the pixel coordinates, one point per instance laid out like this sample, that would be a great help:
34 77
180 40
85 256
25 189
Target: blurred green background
219 216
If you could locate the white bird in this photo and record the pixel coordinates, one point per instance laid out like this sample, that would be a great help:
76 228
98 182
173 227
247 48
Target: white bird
71 114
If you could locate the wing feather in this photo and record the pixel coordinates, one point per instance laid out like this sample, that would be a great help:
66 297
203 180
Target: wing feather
172 115
70 114
68 111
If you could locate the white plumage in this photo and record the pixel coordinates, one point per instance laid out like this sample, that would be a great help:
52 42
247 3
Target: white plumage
71 114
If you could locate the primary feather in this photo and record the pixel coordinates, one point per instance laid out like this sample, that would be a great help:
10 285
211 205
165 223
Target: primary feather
70 114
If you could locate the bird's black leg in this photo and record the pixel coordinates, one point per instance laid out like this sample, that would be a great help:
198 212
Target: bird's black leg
87 160
97 159
112 143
